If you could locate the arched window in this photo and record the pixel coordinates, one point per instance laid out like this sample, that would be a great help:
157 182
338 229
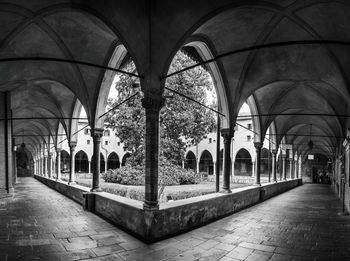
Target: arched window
126 155
65 161
243 163
113 161
81 162
190 161
206 163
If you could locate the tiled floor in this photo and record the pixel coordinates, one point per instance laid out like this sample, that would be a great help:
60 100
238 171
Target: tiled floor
302 224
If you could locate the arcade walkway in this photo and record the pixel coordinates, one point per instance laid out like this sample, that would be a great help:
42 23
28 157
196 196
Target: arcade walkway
302 224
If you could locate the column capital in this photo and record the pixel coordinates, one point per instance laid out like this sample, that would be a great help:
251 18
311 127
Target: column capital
72 144
274 152
58 150
258 145
227 134
283 156
97 133
153 102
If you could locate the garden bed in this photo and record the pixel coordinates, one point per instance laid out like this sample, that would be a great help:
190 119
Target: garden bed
138 192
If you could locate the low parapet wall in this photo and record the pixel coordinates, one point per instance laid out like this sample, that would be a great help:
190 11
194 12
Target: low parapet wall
171 217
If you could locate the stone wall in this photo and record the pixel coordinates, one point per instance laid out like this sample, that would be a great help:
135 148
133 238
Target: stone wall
172 217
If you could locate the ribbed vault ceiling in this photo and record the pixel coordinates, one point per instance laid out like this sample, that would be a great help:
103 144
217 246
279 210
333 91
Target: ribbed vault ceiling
290 79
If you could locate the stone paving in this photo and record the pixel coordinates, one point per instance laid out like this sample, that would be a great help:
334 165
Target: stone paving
302 224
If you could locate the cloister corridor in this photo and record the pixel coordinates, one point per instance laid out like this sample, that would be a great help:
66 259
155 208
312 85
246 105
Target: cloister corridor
38 223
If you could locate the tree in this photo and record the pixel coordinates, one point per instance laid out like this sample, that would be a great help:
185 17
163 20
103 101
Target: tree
182 121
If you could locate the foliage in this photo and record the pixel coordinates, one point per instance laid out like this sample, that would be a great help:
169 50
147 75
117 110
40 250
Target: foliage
169 174
126 175
181 120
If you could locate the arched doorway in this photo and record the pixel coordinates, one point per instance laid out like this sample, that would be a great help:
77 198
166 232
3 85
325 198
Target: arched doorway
113 161
102 162
190 161
65 161
126 155
243 163
81 162
206 163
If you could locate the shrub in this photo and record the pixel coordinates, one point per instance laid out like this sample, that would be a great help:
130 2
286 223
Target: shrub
126 175
169 174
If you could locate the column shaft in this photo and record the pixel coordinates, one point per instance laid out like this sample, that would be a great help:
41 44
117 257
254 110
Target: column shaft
58 164
152 107
284 174
274 169
227 135
257 146
96 137
72 145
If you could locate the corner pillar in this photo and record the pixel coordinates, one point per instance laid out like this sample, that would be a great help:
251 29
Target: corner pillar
152 102
96 137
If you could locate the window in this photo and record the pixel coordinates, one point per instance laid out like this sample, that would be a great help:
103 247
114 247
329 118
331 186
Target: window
88 141
210 140
249 126
249 138
106 142
86 131
118 143
106 133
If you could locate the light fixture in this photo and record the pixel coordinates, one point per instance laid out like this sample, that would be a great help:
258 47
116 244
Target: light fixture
310 143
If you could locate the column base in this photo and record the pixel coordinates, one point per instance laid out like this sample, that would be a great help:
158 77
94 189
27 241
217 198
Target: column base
225 191
72 183
6 193
150 206
96 189
257 184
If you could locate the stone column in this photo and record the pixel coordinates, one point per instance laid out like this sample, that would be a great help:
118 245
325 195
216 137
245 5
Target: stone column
58 164
296 169
49 165
96 137
253 168
72 145
89 166
214 162
39 166
152 107
197 165
274 167
257 146
284 174
183 164
291 168
227 135
45 166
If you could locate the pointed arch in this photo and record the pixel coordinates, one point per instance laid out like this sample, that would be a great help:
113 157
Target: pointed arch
113 161
243 163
